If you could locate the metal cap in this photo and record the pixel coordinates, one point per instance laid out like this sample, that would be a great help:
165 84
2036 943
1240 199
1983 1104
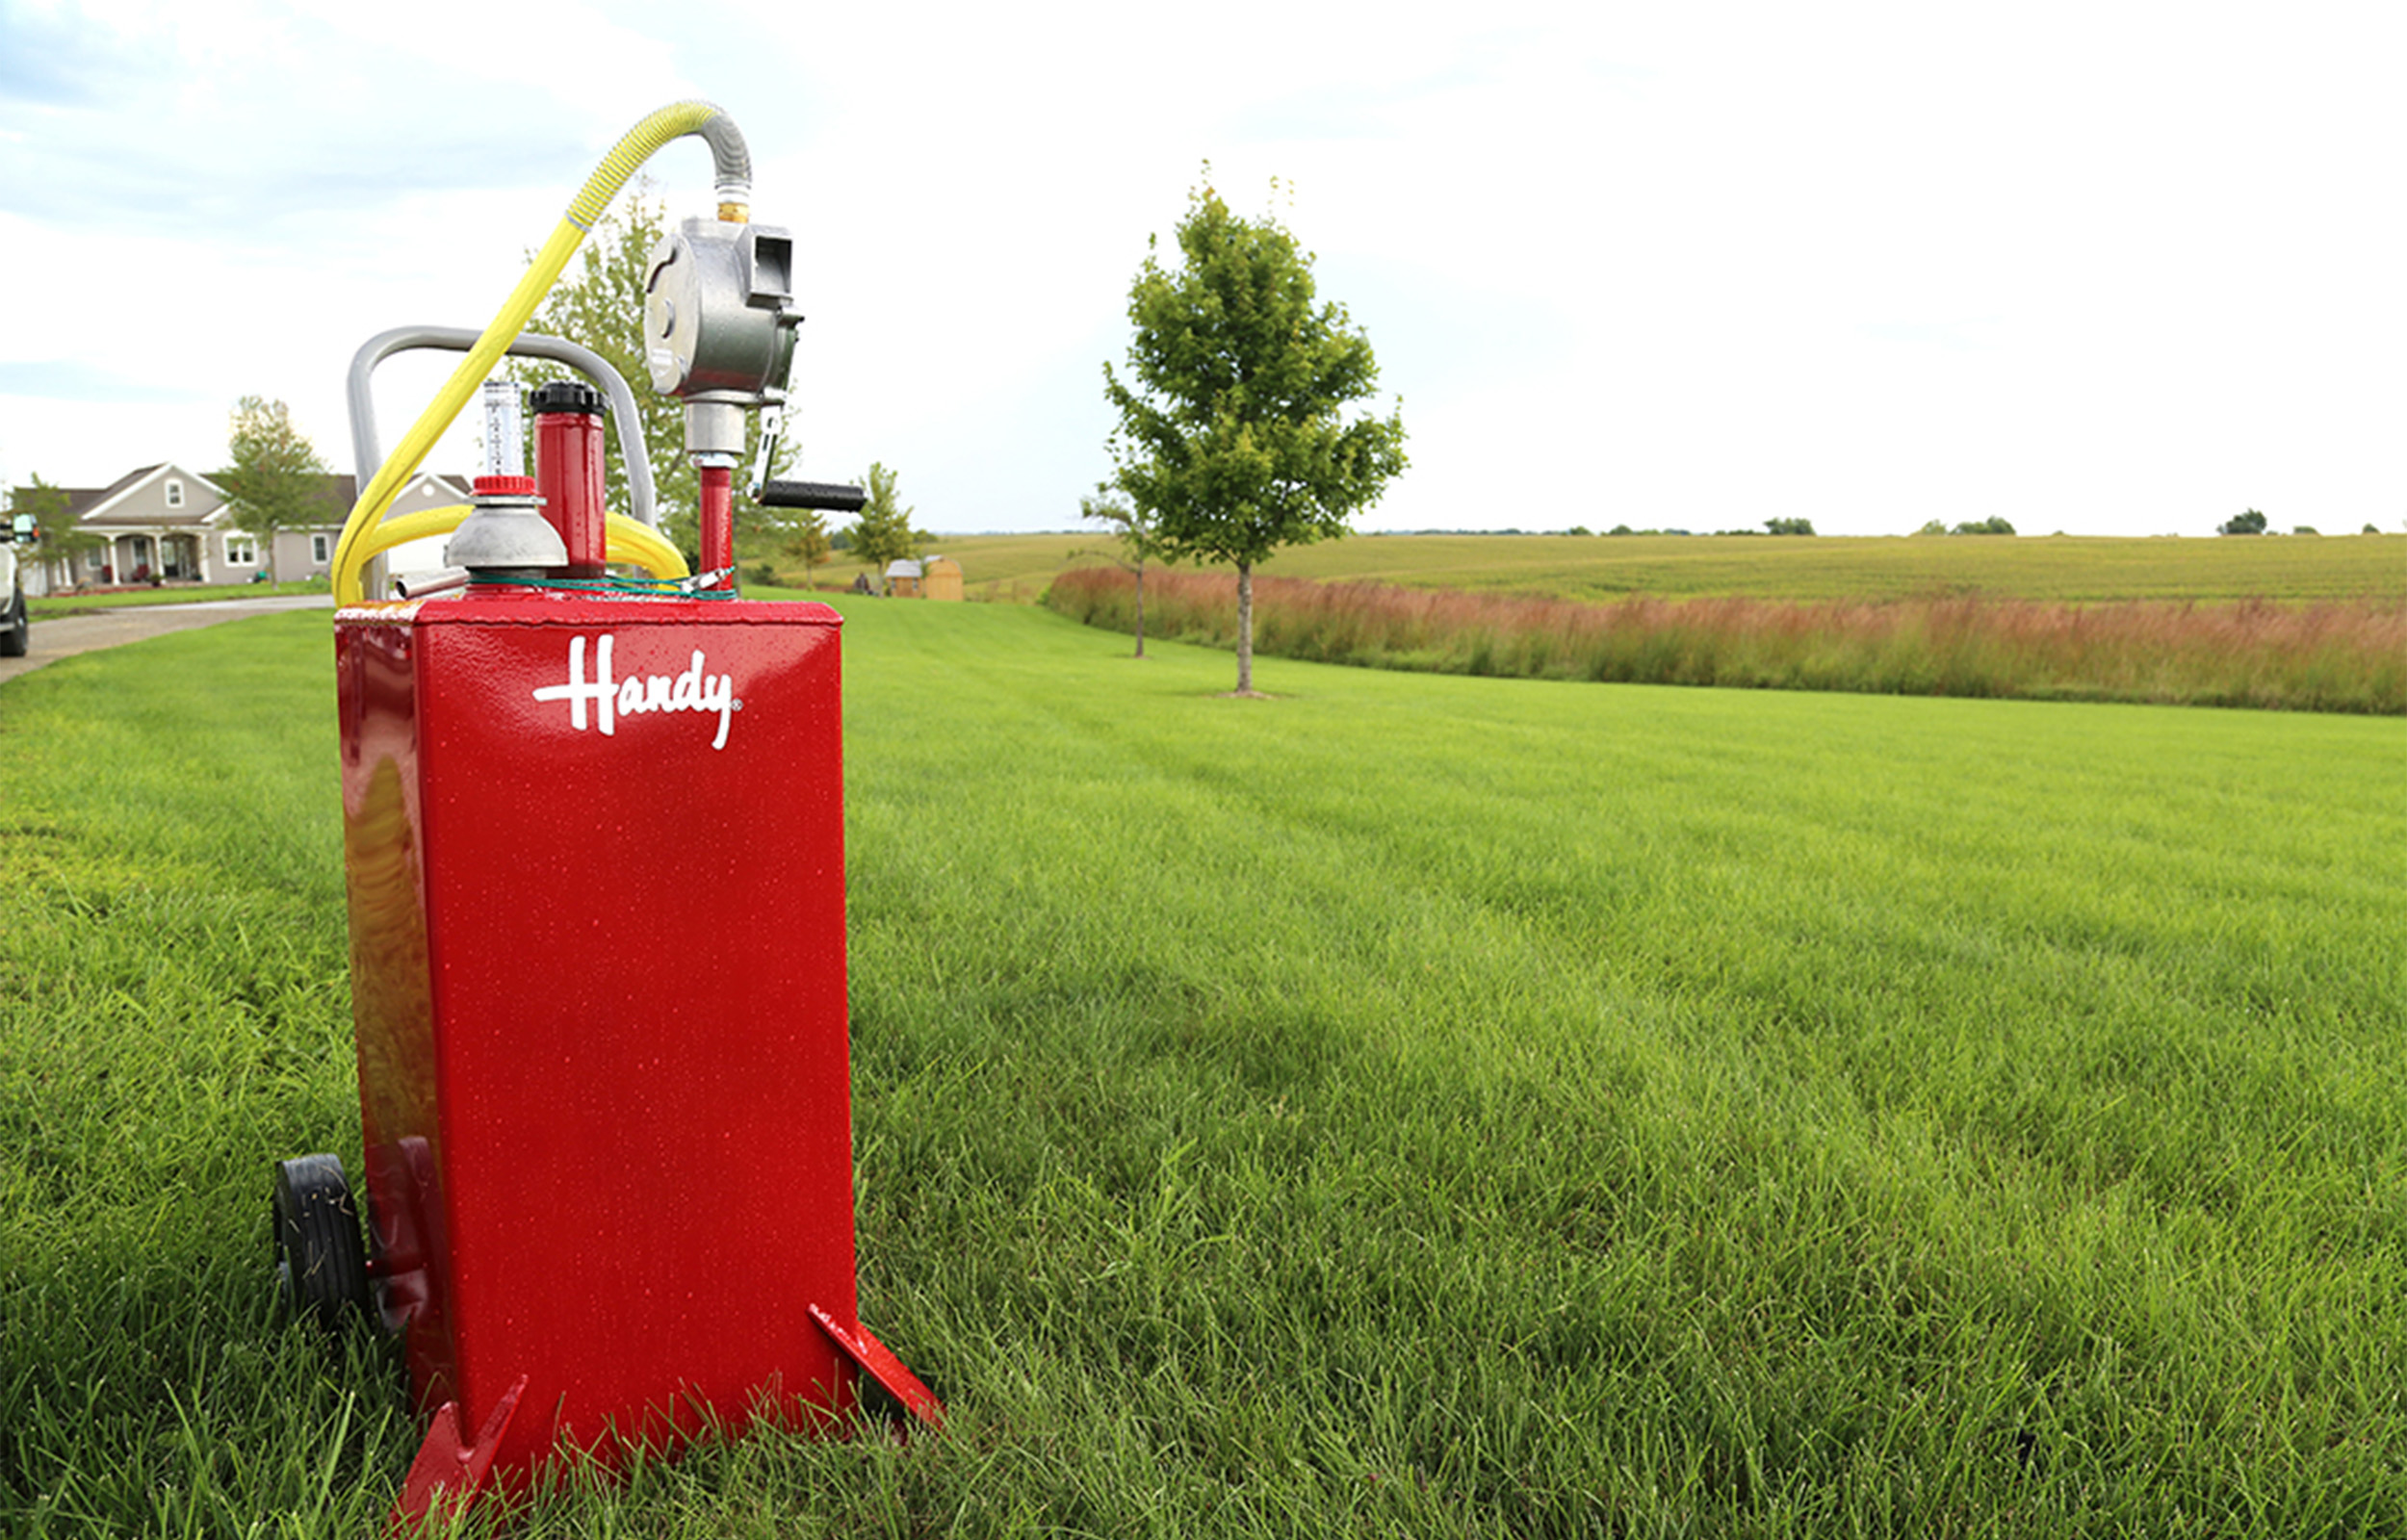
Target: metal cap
509 533
569 396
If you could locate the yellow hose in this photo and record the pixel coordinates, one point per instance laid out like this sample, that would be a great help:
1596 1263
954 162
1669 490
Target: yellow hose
635 148
410 526
642 546
635 544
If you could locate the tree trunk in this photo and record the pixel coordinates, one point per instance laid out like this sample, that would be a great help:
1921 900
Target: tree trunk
1140 609
1245 628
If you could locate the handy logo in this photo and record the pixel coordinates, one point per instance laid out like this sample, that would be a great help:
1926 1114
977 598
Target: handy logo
693 690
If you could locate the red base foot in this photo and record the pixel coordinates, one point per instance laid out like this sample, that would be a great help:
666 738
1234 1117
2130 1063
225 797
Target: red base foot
448 1471
871 1358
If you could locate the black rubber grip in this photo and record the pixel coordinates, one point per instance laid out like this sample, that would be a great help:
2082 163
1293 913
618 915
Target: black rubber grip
832 496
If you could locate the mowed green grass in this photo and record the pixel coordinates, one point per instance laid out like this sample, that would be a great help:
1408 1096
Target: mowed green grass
1599 569
53 606
1410 1105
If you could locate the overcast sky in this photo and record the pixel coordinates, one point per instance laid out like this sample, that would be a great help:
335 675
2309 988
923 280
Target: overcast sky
2098 268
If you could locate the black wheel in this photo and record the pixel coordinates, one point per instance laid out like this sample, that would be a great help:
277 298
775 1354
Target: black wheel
17 633
320 1267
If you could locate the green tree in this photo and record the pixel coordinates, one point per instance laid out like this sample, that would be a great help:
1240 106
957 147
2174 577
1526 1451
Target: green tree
882 533
2251 522
1235 436
57 534
598 303
276 480
1994 524
1137 539
1790 527
806 540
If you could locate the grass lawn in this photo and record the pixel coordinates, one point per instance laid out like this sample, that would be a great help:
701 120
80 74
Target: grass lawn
1413 1104
54 605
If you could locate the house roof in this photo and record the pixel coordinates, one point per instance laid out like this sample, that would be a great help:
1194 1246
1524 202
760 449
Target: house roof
81 501
902 569
112 505
78 498
333 495
430 484
108 508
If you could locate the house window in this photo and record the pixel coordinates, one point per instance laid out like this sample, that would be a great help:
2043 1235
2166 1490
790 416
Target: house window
175 492
241 551
318 551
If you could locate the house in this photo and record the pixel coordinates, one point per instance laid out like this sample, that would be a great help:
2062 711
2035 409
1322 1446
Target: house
160 522
937 578
165 524
941 578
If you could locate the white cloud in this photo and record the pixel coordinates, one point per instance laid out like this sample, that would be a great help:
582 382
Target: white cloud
2116 271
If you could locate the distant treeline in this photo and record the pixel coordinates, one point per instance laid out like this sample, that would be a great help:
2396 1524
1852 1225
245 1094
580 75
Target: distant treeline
1776 526
2332 656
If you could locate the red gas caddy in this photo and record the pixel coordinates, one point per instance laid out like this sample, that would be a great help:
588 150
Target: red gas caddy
594 839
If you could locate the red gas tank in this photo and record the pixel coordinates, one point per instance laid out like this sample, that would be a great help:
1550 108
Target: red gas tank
596 863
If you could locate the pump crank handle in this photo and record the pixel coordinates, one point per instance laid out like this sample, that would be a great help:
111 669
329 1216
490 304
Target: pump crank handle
833 497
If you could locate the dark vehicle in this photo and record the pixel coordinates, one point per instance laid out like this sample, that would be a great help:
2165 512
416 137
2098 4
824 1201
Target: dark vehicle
14 630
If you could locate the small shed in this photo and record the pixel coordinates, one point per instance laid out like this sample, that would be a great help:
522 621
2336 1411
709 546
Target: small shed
943 579
902 580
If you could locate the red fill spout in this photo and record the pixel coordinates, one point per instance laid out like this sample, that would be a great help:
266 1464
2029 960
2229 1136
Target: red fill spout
569 446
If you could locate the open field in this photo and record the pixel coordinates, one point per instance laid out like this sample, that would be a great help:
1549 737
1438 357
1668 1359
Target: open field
1414 1105
2311 655
1016 568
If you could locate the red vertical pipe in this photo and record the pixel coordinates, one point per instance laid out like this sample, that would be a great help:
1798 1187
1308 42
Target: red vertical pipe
718 517
568 473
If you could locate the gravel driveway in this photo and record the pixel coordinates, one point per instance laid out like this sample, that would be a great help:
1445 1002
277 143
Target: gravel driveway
70 634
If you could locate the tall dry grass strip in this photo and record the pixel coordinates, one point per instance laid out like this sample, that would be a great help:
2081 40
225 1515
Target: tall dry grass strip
2329 655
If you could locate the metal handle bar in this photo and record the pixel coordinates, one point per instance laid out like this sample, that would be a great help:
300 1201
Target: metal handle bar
366 456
